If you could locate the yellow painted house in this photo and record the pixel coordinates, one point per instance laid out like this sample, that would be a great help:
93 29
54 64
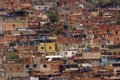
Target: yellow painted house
50 48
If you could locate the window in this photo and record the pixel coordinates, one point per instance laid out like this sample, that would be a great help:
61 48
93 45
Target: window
116 32
62 15
27 66
115 53
88 36
44 65
65 2
9 32
42 47
18 68
35 2
32 13
25 43
24 0
50 47
11 3
13 25
116 65
31 43
104 57
10 68
34 65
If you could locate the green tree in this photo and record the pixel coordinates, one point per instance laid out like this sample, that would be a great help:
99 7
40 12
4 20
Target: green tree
118 19
13 57
90 1
100 3
52 16
58 31
115 1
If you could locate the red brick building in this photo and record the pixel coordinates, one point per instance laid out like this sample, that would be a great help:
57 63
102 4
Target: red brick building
9 4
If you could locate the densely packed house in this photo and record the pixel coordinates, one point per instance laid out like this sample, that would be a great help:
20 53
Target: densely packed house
59 40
